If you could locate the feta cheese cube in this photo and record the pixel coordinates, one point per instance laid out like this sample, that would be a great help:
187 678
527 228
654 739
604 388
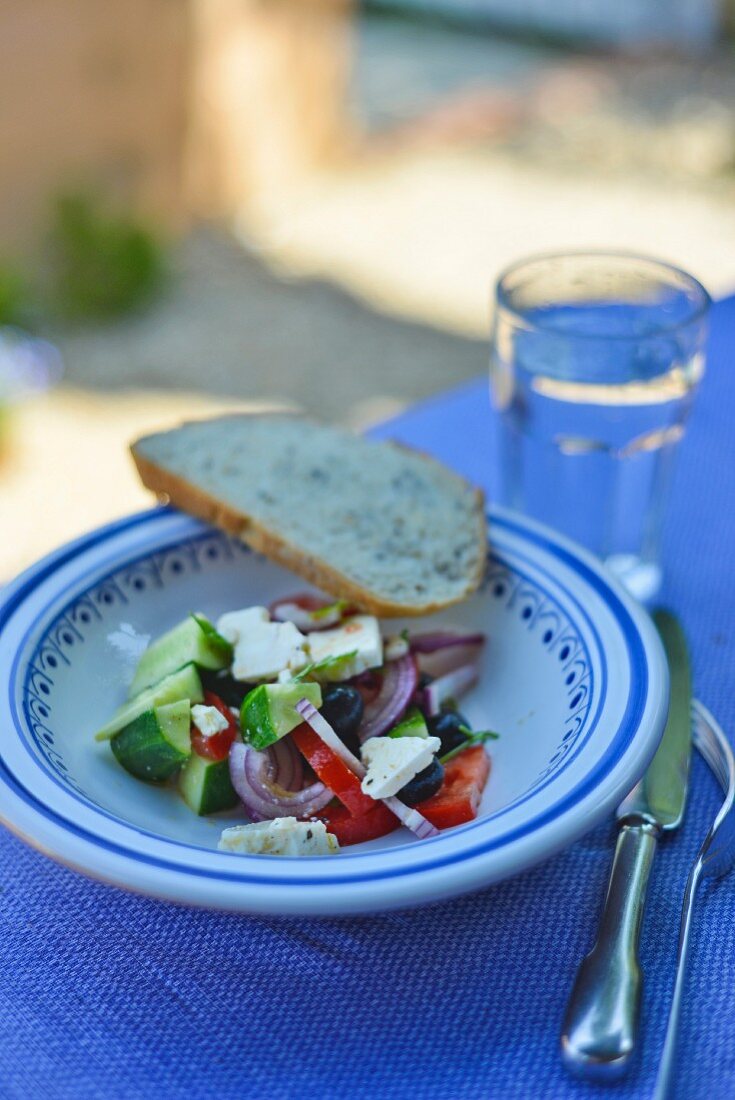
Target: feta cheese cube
233 624
208 720
283 836
262 649
392 762
359 634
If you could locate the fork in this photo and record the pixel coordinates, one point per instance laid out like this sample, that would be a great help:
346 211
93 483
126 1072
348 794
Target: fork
715 858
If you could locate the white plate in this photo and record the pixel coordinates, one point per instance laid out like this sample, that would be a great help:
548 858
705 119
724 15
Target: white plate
575 680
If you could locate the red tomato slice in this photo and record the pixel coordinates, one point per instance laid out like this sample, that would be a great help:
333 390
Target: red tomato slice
218 745
378 821
459 796
361 818
332 771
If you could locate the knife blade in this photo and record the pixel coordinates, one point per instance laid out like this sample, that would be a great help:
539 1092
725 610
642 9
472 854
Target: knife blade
660 796
599 1029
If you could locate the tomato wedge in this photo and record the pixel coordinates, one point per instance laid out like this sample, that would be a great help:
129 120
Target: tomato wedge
459 796
361 818
332 771
378 821
218 745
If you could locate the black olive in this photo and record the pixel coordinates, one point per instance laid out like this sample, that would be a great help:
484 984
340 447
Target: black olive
423 785
343 708
230 690
446 727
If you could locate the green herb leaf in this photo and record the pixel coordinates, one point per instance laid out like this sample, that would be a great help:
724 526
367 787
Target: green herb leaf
328 664
17 304
221 647
404 634
322 612
474 737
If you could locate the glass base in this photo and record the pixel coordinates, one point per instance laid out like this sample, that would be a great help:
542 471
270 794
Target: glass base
641 578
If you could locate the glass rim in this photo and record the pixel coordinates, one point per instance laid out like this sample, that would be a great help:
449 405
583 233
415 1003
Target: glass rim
699 309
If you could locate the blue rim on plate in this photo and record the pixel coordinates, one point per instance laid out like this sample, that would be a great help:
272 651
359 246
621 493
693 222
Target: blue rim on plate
41 804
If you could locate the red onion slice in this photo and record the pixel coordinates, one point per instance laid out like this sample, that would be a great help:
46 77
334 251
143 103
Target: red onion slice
442 661
396 691
444 639
451 686
419 825
252 775
288 771
407 815
308 612
444 650
330 738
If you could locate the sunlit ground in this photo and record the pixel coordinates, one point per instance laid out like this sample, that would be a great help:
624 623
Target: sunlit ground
479 150
513 150
64 465
424 234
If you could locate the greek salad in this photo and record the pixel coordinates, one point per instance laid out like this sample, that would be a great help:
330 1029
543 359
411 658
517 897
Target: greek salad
305 716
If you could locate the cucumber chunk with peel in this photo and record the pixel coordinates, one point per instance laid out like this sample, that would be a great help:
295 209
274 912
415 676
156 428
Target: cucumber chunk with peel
156 743
269 711
195 641
413 725
183 684
205 785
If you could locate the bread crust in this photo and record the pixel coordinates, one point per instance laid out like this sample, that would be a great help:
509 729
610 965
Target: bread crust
193 500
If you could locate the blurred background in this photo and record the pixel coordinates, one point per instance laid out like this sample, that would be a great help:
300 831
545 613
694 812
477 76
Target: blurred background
210 204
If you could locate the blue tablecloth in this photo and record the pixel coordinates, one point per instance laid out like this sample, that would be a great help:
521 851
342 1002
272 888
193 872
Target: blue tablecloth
107 995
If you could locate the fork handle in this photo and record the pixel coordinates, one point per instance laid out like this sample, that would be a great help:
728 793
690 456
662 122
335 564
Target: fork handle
598 1034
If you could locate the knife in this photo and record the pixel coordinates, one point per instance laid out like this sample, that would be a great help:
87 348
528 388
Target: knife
599 1029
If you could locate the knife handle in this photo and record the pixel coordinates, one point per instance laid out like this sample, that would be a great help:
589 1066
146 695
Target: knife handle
598 1035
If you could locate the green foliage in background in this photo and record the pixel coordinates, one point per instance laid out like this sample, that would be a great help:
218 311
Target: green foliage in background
103 265
15 298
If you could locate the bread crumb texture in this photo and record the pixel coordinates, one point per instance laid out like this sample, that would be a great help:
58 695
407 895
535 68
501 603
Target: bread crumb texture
390 520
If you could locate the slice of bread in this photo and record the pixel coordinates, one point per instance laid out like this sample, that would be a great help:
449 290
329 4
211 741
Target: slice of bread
385 527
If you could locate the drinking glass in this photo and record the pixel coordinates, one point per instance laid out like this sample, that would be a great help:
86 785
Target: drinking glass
595 361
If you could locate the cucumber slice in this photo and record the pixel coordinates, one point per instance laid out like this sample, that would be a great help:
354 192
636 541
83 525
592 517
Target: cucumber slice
183 684
155 743
195 641
269 711
205 785
219 646
413 725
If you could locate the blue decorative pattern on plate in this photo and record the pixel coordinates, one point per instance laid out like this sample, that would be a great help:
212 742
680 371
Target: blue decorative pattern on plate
61 644
574 679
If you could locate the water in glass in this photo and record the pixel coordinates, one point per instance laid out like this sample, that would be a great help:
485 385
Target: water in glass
591 396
